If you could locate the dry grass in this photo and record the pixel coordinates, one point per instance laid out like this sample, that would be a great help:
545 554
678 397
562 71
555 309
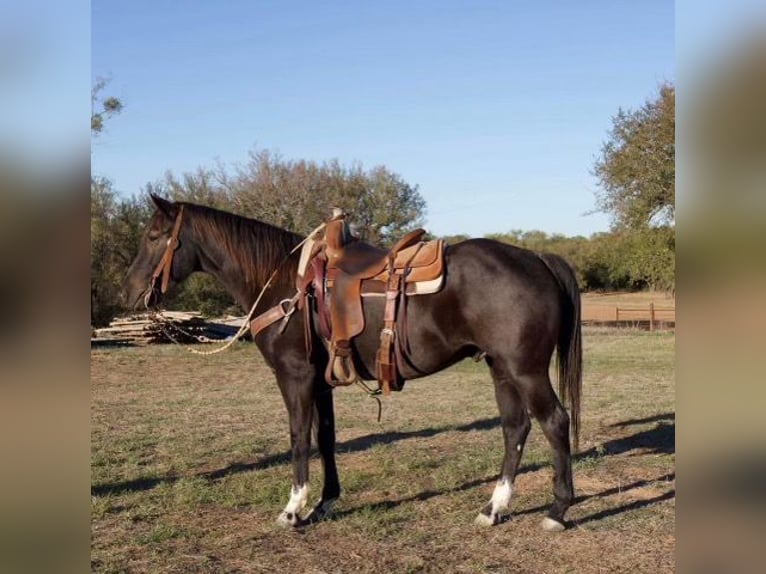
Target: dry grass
190 468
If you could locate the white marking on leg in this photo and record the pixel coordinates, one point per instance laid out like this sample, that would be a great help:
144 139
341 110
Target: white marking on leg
298 498
499 504
501 497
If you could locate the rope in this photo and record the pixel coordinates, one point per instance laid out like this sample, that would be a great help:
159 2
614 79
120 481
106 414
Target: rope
373 394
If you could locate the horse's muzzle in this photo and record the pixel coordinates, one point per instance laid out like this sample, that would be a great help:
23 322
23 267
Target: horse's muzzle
134 298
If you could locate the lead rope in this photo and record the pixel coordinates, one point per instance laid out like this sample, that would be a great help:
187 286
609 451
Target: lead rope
245 324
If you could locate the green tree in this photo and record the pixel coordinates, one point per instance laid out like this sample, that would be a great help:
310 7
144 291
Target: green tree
101 107
115 230
299 194
114 224
636 168
636 173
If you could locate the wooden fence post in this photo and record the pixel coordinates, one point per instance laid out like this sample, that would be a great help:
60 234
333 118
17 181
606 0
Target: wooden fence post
651 316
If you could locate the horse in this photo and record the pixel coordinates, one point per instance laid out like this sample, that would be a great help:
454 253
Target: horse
510 306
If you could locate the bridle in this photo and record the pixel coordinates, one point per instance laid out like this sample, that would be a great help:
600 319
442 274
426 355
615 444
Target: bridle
166 262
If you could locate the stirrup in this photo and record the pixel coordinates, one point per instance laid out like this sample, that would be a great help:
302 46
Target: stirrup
340 367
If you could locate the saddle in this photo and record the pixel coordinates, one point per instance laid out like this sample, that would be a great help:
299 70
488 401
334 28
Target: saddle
341 270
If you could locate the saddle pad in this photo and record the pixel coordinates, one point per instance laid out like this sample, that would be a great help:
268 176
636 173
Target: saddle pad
427 264
374 288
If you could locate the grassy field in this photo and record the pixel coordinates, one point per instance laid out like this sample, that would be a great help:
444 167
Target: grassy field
190 468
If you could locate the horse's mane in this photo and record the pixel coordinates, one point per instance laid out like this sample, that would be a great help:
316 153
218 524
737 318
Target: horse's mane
257 248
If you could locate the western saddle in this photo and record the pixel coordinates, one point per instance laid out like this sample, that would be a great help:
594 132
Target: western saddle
338 270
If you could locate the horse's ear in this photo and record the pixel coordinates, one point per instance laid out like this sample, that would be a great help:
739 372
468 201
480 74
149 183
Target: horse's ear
165 206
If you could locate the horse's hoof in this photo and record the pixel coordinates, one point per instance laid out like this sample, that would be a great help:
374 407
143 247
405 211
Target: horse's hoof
289 520
551 525
322 511
491 520
483 520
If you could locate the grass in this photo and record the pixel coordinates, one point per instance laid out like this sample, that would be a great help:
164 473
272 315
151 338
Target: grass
190 467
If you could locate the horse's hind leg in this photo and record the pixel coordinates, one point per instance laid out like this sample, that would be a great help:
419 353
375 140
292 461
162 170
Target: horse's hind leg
516 425
545 406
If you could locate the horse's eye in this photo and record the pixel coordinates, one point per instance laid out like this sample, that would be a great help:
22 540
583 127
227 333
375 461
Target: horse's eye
154 236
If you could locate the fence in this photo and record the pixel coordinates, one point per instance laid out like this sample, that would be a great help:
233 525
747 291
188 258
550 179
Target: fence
651 316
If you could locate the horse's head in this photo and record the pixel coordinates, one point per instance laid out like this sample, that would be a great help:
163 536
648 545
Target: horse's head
164 256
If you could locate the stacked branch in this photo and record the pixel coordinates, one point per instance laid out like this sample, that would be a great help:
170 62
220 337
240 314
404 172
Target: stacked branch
170 326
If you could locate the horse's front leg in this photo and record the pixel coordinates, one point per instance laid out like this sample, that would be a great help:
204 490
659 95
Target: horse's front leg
298 397
325 428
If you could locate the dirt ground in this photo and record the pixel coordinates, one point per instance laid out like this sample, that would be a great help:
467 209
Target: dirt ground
190 468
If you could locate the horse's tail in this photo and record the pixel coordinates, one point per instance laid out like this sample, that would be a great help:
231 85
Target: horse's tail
569 348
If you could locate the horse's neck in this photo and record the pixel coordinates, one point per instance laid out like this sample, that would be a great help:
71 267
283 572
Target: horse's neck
244 284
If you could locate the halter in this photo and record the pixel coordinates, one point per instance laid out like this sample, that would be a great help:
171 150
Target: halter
166 262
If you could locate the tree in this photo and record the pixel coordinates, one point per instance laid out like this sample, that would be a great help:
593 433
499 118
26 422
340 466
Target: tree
636 168
636 172
630 260
115 229
299 194
114 224
102 107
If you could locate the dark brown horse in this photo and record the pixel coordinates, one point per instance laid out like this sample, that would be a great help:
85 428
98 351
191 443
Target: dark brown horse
508 304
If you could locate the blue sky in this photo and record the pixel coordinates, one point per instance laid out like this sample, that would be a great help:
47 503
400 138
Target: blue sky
495 109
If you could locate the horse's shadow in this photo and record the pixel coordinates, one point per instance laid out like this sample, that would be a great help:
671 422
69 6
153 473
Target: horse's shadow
358 444
660 439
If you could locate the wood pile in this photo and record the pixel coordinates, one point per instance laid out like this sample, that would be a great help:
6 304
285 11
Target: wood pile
184 327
